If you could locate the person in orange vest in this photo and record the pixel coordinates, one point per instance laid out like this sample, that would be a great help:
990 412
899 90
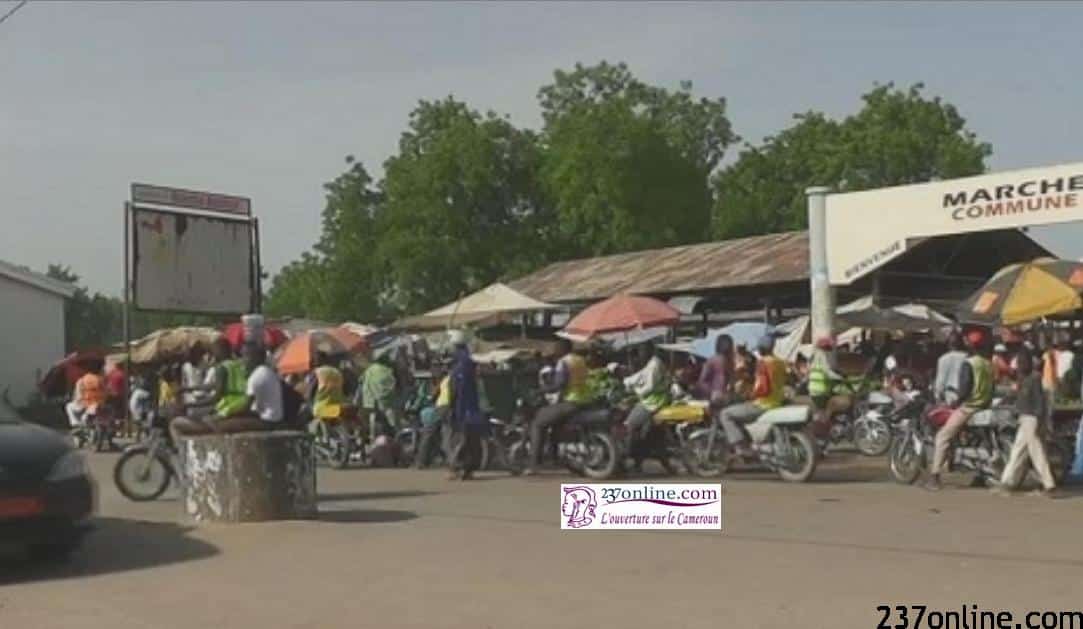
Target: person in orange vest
89 394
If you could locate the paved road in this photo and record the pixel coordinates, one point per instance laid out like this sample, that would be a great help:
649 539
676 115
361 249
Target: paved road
397 548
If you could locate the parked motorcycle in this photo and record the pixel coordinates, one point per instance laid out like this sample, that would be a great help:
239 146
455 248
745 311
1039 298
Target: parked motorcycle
778 440
982 446
585 443
98 429
667 438
144 470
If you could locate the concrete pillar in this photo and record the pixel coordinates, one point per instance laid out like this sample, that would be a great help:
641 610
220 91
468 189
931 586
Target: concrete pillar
249 476
822 309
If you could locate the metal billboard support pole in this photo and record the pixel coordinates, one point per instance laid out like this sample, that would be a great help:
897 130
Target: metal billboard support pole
258 271
822 309
127 312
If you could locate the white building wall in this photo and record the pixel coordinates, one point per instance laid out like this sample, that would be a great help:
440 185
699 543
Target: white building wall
31 335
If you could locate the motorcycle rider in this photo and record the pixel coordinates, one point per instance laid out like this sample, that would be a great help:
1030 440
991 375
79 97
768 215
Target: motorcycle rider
975 393
948 367
651 387
89 394
767 393
569 380
823 387
326 394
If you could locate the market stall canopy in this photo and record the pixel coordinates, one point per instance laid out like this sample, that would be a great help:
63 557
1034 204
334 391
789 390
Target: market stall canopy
170 344
743 333
489 305
622 313
864 313
1021 293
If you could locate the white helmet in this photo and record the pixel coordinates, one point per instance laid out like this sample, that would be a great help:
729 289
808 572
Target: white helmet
456 338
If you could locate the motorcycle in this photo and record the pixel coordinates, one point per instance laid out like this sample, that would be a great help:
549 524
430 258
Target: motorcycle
668 437
585 443
862 424
982 446
778 440
145 470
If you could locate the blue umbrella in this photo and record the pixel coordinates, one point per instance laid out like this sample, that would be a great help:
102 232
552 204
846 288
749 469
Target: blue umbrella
744 333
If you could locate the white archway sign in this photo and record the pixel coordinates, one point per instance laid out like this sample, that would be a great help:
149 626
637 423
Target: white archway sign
855 233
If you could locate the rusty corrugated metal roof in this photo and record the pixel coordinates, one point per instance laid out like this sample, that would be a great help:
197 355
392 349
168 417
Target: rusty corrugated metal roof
754 261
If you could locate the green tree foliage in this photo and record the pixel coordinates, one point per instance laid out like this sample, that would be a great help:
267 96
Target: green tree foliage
627 164
342 279
460 205
898 137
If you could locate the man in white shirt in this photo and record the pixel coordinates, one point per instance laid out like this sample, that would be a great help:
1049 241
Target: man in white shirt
948 370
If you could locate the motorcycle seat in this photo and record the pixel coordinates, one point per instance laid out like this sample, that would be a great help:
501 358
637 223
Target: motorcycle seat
879 398
590 417
694 411
793 414
990 417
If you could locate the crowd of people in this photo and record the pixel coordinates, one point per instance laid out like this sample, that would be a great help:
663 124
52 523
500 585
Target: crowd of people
229 389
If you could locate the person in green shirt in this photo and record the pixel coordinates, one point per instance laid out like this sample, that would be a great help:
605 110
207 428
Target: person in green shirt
377 393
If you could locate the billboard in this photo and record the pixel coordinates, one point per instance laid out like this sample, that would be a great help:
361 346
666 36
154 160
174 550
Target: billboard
865 230
191 263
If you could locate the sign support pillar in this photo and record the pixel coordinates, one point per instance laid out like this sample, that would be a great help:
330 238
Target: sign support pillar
822 310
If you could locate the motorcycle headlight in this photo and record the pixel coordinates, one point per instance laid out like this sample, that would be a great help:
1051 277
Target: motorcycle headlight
71 465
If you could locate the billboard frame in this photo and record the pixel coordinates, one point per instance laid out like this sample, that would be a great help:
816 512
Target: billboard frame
138 200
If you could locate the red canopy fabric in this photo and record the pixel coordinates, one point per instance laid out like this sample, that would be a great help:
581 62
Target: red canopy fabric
621 313
61 377
272 336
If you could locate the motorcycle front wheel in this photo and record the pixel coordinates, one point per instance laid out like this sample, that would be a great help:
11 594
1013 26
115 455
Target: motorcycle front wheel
872 436
800 465
142 476
601 460
703 459
905 461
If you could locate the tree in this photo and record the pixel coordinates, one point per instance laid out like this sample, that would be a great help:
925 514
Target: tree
898 137
342 280
461 205
627 164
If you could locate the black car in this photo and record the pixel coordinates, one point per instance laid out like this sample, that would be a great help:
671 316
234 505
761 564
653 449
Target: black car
46 493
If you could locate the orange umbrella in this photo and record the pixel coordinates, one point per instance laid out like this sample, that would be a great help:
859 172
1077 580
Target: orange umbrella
621 313
298 354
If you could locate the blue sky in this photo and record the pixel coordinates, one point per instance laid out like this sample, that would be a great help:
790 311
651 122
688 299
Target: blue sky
265 100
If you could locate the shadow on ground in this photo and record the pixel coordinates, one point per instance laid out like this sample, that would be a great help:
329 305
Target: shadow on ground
365 516
113 545
375 495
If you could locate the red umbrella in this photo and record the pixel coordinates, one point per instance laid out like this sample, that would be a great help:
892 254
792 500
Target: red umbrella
61 377
621 313
272 336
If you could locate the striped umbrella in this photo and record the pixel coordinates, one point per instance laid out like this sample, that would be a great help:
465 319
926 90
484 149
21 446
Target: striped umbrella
1021 293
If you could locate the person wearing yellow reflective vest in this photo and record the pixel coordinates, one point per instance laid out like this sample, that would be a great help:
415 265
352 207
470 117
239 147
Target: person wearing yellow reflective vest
975 394
570 381
824 387
233 397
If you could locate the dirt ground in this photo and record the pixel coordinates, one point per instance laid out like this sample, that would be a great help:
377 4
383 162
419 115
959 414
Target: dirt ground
399 548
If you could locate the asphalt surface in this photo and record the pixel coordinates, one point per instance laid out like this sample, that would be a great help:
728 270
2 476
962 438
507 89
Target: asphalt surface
400 548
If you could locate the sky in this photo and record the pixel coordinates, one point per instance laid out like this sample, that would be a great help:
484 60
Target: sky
266 99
